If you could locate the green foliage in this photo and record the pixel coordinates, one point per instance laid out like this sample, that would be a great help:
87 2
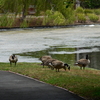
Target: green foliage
58 18
90 3
87 11
68 13
3 20
97 11
49 12
70 16
93 17
16 6
10 22
6 21
56 11
81 18
1 3
53 18
24 24
79 10
41 5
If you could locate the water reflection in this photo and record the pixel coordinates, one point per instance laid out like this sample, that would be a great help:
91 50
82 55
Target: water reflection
94 57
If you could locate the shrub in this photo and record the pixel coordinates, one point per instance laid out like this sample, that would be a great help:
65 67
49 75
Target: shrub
53 18
24 24
87 11
49 12
6 20
59 19
93 17
81 18
70 16
79 10
10 22
97 11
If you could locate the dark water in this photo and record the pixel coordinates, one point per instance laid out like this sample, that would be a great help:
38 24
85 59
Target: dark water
65 44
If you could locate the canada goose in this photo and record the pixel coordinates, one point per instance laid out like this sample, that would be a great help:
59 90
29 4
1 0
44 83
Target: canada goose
59 64
44 59
13 59
48 63
83 62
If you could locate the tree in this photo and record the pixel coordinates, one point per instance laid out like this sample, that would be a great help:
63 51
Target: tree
16 6
90 3
21 6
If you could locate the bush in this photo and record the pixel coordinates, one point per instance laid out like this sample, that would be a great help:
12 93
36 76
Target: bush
49 12
24 24
97 11
6 20
79 10
87 11
59 19
70 16
81 18
93 17
53 18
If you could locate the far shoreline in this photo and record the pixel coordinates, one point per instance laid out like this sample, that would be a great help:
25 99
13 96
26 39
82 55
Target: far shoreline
42 27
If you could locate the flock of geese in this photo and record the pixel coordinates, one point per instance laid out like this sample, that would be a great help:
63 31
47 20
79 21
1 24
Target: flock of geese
54 63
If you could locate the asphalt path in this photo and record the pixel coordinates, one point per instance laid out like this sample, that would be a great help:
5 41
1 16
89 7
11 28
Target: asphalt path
18 87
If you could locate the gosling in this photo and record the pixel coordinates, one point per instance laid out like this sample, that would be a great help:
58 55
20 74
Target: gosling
82 63
13 59
44 59
59 64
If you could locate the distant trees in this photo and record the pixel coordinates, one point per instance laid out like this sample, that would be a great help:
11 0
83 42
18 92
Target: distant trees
90 4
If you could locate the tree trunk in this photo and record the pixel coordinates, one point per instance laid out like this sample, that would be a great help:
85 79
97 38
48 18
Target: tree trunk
23 13
77 4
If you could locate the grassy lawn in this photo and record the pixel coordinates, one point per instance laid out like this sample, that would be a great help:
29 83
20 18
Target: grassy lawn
85 83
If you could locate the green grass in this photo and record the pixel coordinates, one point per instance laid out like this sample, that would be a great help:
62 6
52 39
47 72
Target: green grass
85 83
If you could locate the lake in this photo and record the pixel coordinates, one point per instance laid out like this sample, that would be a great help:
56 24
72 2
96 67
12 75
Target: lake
65 44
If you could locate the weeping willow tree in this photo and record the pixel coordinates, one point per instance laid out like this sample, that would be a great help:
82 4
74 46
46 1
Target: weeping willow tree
21 7
65 7
16 6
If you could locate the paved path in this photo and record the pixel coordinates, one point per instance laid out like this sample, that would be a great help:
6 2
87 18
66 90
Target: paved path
17 87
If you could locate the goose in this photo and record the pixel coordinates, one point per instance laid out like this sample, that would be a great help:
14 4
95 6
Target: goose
44 59
59 64
13 59
83 62
48 63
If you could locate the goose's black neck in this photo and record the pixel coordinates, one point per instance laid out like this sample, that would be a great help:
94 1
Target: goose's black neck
86 56
13 56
